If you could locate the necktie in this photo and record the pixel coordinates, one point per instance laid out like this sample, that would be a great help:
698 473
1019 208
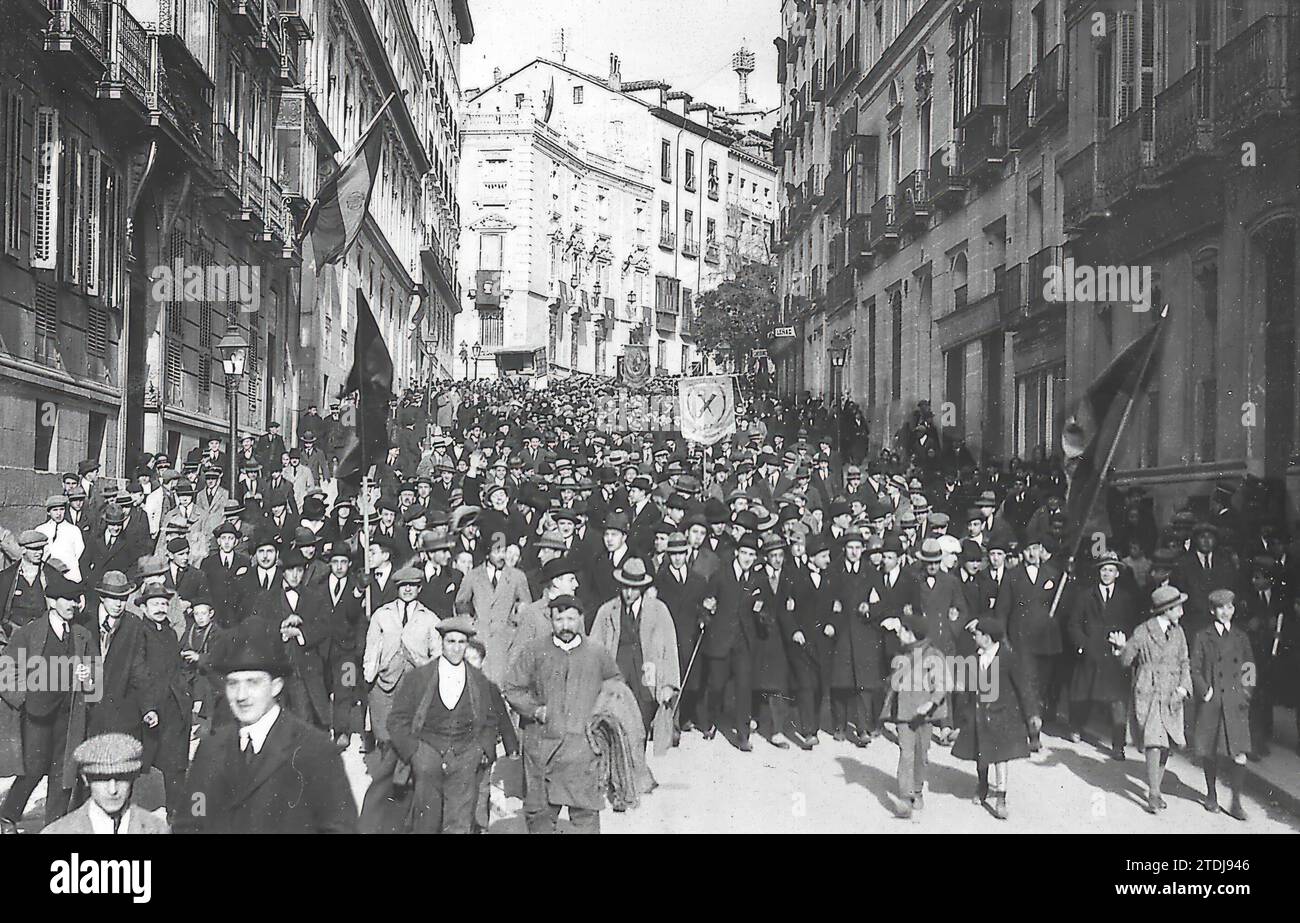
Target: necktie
249 753
406 614
105 635
494 578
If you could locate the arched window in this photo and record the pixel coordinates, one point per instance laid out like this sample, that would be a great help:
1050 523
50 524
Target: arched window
959 281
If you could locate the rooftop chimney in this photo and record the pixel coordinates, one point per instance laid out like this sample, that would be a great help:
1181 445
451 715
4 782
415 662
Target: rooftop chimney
615 76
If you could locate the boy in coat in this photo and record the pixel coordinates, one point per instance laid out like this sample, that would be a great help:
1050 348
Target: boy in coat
1223 681
917 698
1099 677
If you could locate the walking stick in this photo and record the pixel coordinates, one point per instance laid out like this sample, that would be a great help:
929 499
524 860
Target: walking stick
687 675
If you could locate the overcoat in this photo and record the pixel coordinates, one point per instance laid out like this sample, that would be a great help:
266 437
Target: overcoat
994 722
297 784
1219 663
1099 676
661 668
492 610
1160 666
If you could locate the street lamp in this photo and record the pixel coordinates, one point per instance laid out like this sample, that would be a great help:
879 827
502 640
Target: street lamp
234 350
477 352
464 357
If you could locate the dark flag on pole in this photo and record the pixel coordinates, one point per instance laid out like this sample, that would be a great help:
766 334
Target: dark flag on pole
371 379
1091 437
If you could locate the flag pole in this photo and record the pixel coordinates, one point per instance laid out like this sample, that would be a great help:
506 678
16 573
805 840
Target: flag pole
1110 457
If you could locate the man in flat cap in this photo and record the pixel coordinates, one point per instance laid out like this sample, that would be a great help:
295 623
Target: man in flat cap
553 684
402 635
22 584
443 724
51 721
269 772
109 764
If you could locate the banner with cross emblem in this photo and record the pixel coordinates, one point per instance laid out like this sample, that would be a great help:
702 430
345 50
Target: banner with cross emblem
707 408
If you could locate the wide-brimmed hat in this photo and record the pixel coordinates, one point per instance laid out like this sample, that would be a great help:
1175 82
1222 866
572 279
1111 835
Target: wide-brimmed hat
1166 597
931 552
114 584
632 573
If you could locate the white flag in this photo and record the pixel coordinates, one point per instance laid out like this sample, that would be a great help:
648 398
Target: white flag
707 408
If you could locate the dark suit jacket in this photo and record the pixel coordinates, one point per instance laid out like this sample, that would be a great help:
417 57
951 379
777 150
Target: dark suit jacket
733 625
685 602
125 676
223 583
307 691
406 701
296 785
1024 605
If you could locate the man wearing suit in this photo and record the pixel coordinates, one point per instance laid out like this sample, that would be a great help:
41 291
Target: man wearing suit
728 644
804 630
263 576
108 764
120 642
644 517
441 580
302 616
223 568
684 591
270 772
270 447
1024 606
599 587
52 722
494 591
181 579
106 550
862 601
165 704
1201 570
1099 677
348 624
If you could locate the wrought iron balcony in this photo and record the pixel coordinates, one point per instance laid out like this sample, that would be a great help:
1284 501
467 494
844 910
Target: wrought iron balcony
252 197
275 231
711 252
713 187
667 240
296 16
839 291
946 184
1039 99
1257 74
815 185
268 39
913 198
1184 120
79 28
226 155
1127 155
984 143
859 252
691 246
130 59
1037 277
1085 201
290 67
884 227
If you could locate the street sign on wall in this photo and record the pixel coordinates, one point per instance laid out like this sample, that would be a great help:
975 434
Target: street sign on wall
783 332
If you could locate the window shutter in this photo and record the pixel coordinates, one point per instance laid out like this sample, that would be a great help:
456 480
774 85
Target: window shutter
12 171
72 210
93 191
254 362
205 326
175 347
1126 72
96 331
46 341
112 208
45 189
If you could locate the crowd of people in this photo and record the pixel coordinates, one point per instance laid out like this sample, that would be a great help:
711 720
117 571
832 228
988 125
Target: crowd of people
522 569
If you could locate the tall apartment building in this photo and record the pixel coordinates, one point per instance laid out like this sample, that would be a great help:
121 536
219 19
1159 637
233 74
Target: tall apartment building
596 210
942 160
152 141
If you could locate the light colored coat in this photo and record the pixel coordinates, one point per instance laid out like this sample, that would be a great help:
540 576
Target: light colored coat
660 667
1160 666
78 823
392 648
493 611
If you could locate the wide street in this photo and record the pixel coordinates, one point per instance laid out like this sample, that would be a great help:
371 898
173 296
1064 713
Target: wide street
710 787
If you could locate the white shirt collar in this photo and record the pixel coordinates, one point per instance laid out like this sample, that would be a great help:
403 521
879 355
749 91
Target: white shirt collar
451 682
1163 623
566 645
102 823
986 656
257 731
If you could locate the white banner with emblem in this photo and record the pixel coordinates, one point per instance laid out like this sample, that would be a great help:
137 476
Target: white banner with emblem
707 408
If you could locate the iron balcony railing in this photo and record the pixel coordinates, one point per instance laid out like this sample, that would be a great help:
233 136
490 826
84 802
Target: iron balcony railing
82 21
884 229
984 141
1127 154
913 198
226 155
1258 72
691 246
130 56
1184 126
667 240
1085 201
945 182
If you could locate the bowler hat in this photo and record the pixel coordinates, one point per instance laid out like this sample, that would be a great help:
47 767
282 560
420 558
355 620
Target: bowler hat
255 647
558 567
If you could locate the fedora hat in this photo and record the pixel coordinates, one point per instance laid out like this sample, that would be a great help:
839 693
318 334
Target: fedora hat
1164 598
114 584
632 573
931 551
